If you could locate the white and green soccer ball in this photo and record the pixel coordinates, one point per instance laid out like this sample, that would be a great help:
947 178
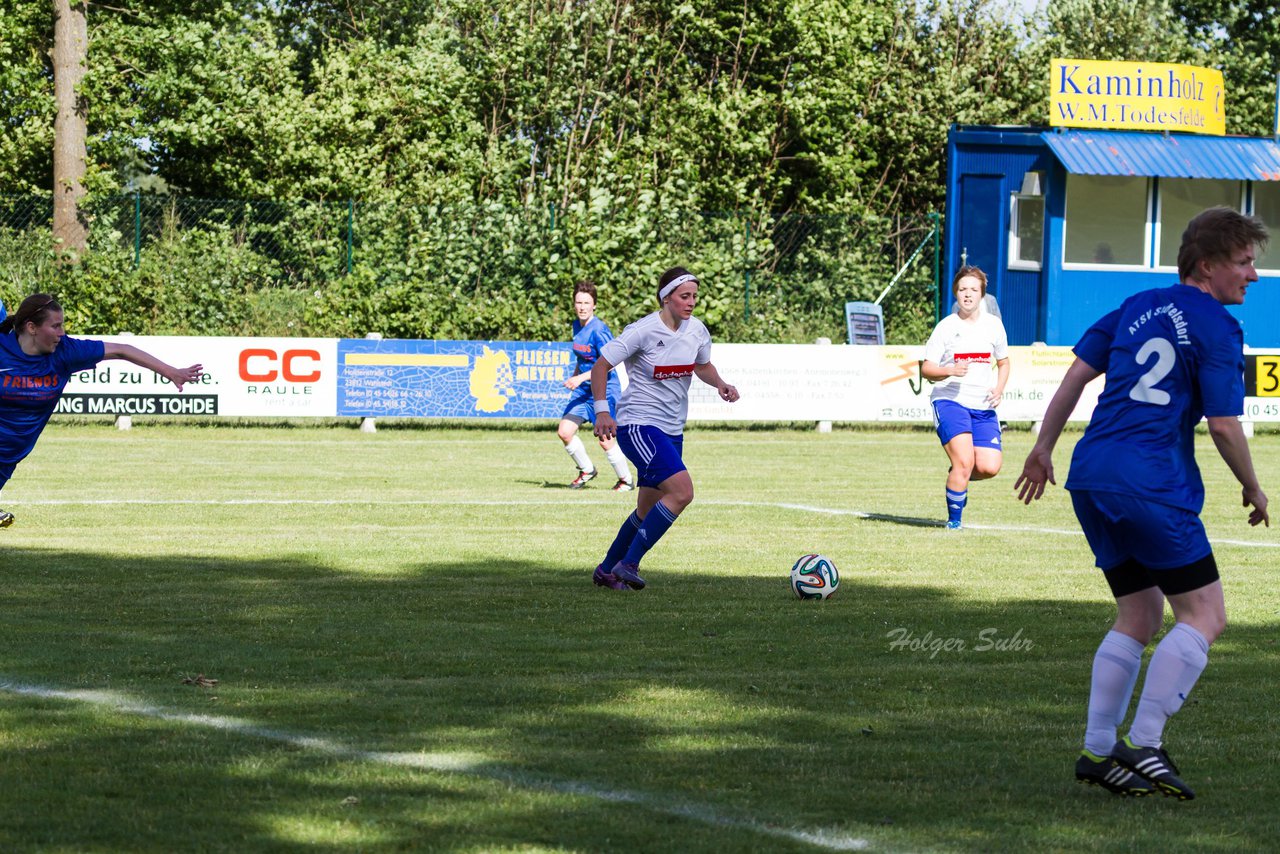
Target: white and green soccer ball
814 576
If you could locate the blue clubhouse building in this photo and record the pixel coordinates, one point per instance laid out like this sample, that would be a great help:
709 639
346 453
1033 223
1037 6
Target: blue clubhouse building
1068 222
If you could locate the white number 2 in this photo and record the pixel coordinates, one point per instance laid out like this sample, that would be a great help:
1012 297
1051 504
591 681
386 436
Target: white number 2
1145 389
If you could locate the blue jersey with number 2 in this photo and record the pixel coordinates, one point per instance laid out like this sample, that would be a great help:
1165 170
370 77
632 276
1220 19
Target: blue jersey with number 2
1171 356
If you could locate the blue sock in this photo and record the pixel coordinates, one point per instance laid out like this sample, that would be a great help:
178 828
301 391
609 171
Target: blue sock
651 530
622 542
955 504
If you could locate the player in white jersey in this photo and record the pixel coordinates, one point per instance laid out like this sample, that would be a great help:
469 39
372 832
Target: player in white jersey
663 352
958 357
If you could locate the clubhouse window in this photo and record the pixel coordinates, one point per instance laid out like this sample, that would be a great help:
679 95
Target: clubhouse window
1106 220
1181 199
1026 233
1266 207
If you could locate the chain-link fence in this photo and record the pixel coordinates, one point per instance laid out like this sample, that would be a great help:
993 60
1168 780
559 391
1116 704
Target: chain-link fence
196 266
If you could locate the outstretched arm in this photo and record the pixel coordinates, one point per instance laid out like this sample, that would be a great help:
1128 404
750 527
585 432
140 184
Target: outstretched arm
1233 445
708 374
1037 471
178 376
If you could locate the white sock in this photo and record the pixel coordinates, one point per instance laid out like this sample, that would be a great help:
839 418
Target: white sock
578 451
618 460
1175 666
1115 672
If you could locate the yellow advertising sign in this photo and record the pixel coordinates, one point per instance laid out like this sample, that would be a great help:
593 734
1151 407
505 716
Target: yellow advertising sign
1156 96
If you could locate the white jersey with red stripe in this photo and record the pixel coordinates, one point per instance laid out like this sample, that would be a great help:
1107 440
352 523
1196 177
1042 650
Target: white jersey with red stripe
660 363
979 343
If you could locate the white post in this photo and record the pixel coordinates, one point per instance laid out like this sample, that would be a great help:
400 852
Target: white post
370 425
824 426
1248 428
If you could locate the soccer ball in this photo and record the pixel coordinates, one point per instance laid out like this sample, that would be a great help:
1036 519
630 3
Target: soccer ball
815 577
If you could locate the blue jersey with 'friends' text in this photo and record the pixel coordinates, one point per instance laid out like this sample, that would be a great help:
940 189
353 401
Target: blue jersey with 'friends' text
588 338
30 387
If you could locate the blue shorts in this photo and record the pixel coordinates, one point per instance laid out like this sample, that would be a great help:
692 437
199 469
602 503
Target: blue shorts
582 406
951 419
1124 527
655 454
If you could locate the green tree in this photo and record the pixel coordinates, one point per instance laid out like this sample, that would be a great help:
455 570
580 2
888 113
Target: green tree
1123 30
1132 30
1242 37
26 97
488 152
204 99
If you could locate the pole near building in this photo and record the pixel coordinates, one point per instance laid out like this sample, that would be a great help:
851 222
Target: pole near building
1275 124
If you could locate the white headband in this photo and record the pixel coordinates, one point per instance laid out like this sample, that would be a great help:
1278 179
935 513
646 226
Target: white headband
675 283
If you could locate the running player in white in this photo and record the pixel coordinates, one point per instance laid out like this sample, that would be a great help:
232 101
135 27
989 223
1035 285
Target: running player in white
1171 357
958 357
663 352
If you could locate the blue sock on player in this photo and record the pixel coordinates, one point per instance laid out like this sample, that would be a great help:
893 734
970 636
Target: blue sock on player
955 504
622 542
651 530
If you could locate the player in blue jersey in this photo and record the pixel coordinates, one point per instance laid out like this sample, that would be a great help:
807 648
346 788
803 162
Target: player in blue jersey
1171 356
590 333
36 360
967 356
663 351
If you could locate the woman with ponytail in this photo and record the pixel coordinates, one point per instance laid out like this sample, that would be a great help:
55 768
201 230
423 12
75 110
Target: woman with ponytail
663 352
36 360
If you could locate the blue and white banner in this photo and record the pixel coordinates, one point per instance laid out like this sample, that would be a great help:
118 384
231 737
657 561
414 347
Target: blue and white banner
357 377
452 379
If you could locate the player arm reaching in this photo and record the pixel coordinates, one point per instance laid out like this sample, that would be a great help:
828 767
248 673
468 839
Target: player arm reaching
605 426
709 375
935 372
1233 446
178 376
1037 471
577 380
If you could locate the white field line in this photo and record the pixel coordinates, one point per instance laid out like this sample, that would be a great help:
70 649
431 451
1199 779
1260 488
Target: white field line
468 502
1019 529
452 763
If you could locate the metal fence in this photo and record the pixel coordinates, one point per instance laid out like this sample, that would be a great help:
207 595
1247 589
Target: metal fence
792 273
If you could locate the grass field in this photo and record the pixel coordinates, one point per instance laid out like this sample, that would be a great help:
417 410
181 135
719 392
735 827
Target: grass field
409 654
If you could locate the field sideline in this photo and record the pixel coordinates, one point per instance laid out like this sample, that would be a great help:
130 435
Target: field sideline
409 654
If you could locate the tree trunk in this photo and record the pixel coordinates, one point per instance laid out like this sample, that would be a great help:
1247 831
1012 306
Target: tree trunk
70 60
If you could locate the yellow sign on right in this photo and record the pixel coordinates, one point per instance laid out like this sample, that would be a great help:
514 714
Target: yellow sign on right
1154 96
